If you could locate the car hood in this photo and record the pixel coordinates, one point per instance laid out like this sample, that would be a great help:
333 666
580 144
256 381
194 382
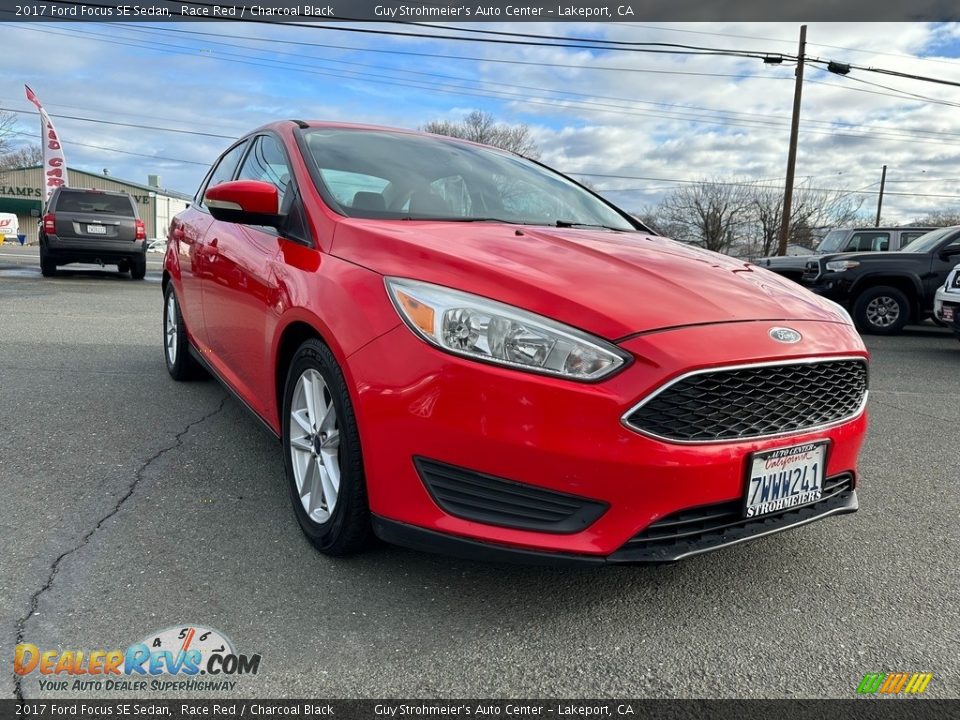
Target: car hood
612 284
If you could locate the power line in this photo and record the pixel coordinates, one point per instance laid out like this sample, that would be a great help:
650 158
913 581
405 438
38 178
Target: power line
117 150
522 97
444 56
121 124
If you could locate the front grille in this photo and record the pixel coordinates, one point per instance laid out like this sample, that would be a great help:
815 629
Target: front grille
812 271
753 401
703 528
483 498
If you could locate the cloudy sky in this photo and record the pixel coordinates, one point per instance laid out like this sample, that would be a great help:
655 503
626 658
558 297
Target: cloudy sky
657 120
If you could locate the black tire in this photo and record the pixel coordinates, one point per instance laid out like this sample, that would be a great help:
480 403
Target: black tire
138 267
347 530
48 266
881 310
182 366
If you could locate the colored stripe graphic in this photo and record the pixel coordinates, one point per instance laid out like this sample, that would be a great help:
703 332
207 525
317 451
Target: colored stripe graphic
894 683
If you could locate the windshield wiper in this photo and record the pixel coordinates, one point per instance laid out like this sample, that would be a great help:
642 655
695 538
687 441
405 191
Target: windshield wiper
569 224
464 219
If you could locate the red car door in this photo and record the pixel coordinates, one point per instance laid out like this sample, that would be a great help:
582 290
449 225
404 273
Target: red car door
188 232
240 288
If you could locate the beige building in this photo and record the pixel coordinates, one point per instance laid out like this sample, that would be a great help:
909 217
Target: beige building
20 193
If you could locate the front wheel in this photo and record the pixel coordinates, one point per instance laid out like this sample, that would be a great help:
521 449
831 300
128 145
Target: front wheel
322 457
881 311
176 351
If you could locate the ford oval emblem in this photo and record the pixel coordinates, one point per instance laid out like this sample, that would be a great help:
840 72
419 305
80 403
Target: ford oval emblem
785 335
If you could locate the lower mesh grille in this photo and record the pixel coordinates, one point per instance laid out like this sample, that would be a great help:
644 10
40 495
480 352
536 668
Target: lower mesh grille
495 501
701 528
754 401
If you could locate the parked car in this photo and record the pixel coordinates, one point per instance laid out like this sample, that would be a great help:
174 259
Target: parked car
946 304
97 226
859 239
887 290
157 246
465 351
9 227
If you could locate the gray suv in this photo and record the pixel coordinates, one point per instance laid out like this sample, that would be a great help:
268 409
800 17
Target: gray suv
839 240
92 226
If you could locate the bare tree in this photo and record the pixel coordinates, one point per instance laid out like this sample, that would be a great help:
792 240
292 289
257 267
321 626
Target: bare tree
25 156
481 127
813 211
940 218
710 214
7 122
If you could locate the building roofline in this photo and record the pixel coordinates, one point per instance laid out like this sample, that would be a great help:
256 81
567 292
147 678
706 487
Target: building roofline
151 188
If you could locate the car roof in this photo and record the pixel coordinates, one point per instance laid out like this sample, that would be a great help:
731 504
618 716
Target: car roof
337 125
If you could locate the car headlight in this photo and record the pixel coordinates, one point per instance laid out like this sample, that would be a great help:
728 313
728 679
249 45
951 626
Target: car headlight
482 329
841 265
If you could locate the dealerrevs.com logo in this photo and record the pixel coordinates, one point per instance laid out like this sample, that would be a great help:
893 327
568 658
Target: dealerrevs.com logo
180 658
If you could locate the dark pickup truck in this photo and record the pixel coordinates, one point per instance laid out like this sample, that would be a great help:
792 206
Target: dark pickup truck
887 290
858 239
92 226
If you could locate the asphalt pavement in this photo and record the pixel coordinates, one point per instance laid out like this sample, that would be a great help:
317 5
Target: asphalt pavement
131 503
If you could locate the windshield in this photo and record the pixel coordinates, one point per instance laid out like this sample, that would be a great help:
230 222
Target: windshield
374 174
833 242
926 243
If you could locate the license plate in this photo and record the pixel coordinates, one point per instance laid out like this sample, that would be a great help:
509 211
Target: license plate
947 314
96 229
784 478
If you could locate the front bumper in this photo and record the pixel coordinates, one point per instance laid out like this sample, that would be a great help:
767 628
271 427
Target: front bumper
949 300
567 437
833 286
418 538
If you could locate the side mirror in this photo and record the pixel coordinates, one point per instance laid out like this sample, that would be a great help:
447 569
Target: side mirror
949 252
34 212
247 202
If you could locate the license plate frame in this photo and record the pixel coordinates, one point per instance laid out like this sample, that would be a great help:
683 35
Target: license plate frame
948 314
818 452
96 230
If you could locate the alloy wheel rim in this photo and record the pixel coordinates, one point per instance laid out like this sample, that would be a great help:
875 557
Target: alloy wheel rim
315 446
171 330
883 311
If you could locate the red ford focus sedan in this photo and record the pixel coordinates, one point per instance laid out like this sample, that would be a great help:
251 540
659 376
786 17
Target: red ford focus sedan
465 351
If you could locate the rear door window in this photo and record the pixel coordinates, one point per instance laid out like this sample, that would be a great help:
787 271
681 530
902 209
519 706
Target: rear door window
908 237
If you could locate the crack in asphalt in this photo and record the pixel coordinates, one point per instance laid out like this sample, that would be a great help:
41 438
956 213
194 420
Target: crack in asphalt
55 565
911 411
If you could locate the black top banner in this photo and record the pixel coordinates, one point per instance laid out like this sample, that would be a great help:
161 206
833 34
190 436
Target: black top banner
438 11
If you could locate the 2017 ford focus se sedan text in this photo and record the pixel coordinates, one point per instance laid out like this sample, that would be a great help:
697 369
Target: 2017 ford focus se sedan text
463 350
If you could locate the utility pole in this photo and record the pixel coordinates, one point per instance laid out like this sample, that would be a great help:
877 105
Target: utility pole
792 153
883 182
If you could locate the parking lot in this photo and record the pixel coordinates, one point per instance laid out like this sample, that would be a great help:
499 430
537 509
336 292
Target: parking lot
132 503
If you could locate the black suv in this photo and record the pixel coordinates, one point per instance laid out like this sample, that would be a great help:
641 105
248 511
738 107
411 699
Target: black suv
92 226
886 290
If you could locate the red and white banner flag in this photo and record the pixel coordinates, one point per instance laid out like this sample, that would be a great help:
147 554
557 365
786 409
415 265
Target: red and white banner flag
54 164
